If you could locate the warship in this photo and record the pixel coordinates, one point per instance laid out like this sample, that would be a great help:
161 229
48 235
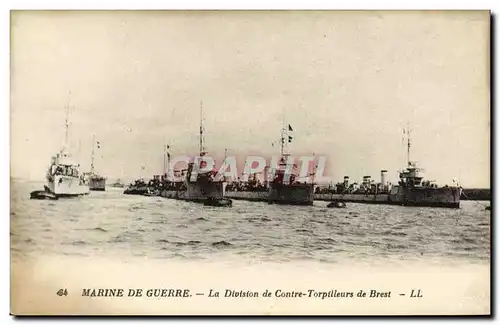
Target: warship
96 181
63 176
118 184
281 187
283 191
197 186
411 189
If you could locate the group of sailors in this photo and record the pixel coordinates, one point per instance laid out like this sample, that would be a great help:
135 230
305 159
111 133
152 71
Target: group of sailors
65 170
157 183
253 184
250 186
354 188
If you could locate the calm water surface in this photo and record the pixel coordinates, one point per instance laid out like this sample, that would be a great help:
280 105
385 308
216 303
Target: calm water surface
116 225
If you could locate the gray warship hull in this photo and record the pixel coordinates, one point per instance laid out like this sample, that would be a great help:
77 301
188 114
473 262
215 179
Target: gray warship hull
295 194
97 184
443 197
446 197
196 192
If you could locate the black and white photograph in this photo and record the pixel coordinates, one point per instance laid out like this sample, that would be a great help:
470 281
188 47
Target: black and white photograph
250 162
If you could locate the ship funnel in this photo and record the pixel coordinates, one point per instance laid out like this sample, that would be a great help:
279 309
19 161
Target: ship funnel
266 176
383 176
346 181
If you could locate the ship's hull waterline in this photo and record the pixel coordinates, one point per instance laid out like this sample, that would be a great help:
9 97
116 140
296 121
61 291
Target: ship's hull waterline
441 197
248 196
287 195
422 197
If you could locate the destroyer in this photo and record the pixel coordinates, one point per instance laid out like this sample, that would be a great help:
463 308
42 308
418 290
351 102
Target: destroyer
283 191
411 189
198 185
281 185
63 176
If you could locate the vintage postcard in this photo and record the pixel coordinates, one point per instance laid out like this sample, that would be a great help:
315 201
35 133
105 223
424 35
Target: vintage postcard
250 162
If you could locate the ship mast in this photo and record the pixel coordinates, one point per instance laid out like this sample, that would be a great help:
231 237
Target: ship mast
407 131
65 151
202 149
282 140
66 126
93 151
284 137
166 160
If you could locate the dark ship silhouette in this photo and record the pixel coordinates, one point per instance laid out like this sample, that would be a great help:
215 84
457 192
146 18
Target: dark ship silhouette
411 190
197 186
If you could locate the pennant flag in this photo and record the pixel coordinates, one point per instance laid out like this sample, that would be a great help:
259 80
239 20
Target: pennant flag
290 127
98 147
272 144
98 142
290 138
168 146
168 155
143 168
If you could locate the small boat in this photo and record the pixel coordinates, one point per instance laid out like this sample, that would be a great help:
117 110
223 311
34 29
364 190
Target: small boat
118 184
42 195
132 190
218 202
336 204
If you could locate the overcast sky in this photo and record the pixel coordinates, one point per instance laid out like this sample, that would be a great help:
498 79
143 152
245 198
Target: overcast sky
348 82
